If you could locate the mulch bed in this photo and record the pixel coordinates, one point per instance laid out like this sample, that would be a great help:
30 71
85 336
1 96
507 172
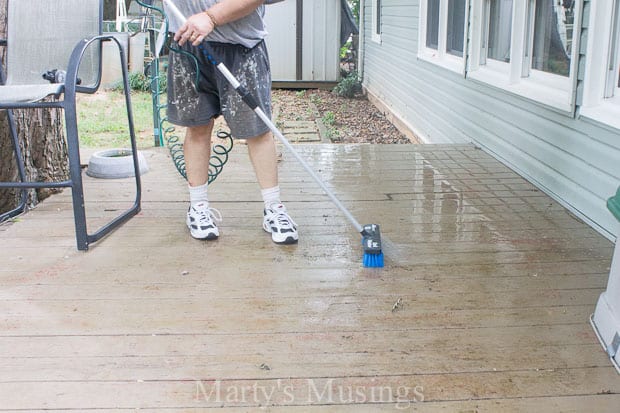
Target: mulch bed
347 120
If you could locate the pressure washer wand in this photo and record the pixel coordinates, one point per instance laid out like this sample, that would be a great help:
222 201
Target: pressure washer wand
371 235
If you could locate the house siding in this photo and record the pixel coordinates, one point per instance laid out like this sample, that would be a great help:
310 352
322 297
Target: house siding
575 160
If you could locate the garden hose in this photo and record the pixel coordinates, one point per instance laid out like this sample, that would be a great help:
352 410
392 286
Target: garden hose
164 131
217 160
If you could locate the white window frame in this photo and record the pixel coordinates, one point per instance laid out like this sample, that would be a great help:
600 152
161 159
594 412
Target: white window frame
496 71
376 13
440 56
484 43
600 70
517 76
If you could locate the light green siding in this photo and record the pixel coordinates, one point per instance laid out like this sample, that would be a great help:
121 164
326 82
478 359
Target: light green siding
575 160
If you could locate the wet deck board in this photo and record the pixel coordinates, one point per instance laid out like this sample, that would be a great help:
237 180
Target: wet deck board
495 284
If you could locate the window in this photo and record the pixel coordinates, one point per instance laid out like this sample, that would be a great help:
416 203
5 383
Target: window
612 77
601 88
442 32
432 25
376 20
498 25
552 36
526 47
455 37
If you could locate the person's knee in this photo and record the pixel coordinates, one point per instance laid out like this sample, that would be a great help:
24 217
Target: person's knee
198 133
260 140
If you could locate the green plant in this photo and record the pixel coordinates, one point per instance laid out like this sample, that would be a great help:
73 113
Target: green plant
344 50
301 93
142 83
329 118
349 86
316 99
355 9
329 121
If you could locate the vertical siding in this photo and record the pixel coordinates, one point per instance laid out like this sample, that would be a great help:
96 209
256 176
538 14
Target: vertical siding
281 22
321 40
575 161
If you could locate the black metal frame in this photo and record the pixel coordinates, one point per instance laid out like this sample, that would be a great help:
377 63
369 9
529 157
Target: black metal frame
68 105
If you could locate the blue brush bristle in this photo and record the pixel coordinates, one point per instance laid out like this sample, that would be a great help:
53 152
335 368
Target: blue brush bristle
371 241
373 260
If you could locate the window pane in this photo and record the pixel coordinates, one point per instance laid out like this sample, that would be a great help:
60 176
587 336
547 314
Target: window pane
613 62
615 56
456 27
553 33
378 22
432 24
616 65
500 30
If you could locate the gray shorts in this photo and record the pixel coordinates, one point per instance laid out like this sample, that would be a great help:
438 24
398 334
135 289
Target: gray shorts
197 91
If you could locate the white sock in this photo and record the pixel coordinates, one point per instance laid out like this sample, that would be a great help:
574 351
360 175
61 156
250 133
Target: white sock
198 195
271 196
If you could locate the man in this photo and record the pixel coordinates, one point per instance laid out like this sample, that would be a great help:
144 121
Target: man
197 94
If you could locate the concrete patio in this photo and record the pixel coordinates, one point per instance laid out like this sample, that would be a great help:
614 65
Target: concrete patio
483 305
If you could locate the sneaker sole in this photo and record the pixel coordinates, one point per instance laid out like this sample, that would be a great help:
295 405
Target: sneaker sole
208 237
287 241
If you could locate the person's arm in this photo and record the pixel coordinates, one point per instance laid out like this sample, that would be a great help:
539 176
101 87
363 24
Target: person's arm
198 26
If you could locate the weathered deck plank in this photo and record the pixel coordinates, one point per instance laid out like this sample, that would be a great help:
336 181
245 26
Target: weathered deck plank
496 282
605 403
202 391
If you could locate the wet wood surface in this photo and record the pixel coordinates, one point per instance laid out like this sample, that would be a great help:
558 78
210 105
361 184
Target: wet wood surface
483 305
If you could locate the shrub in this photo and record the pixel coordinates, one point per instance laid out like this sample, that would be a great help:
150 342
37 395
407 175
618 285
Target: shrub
142 83
349 86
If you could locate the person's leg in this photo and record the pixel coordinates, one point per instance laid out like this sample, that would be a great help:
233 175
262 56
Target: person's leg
194 103
262 151
245 124
197 151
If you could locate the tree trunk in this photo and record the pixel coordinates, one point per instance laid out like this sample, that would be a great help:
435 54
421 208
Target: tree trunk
41 135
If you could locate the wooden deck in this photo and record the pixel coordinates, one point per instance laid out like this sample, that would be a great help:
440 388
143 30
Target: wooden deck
483 305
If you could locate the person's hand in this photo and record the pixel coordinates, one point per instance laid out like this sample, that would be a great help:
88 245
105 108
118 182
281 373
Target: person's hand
195 30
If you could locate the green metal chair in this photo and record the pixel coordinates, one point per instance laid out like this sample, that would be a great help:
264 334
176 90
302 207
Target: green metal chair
62 40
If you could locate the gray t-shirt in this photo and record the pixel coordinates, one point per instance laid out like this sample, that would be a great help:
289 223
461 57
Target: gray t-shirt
247 31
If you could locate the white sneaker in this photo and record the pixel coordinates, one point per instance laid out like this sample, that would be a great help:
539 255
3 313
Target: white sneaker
201 221
281 226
